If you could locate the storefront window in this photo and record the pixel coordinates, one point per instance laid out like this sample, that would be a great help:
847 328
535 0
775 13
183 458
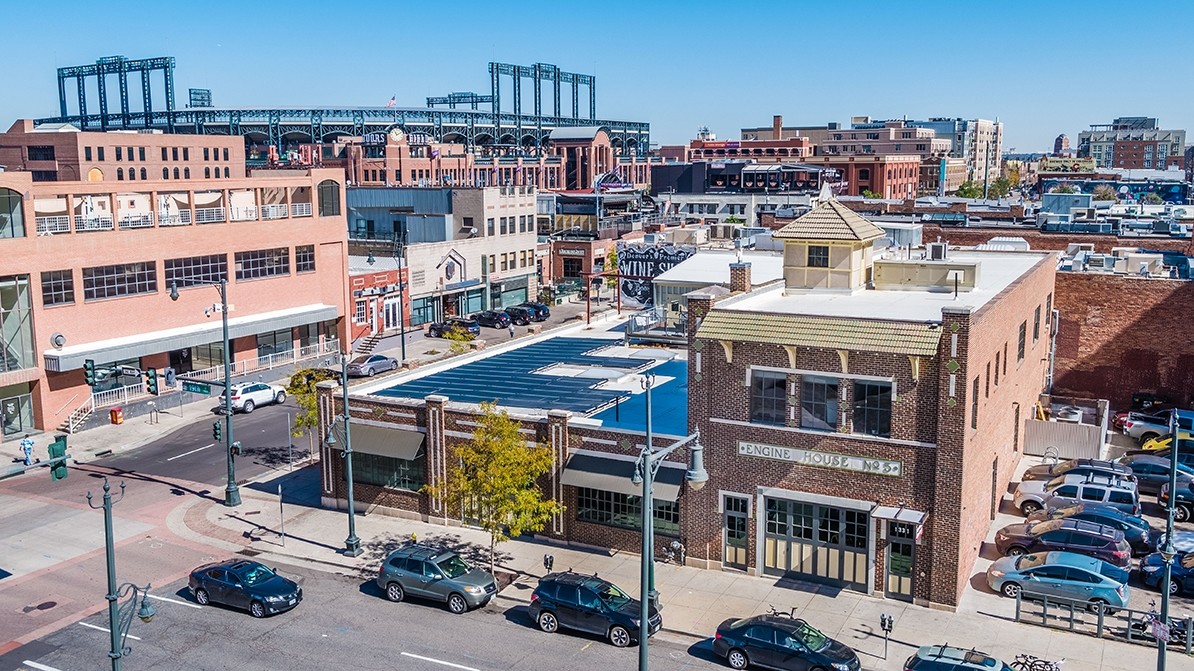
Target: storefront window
768 402
620 510
872 408
274 342
207 356
16 324
373 469
422 311
818 403
16 409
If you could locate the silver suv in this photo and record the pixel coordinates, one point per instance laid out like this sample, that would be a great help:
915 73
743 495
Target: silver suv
441 575
1068 490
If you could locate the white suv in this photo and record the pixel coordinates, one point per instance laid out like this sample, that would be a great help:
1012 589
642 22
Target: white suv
249 395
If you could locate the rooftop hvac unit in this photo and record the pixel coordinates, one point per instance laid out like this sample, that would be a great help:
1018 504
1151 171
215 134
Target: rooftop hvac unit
938 251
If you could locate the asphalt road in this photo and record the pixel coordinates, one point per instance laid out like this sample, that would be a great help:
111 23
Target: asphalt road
192 454
344 622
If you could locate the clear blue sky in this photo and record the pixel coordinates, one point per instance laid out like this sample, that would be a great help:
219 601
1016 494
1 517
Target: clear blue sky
1042 67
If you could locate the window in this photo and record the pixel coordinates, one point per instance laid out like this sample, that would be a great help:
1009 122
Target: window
818 256
768 398
489 230
186 153
1093 494
360 315
329 197
503 255
45 153
144 174
140 153
492 263
974 401
1021 341
621 510
176 173
373 469
86 153
262 263
125 279
186 173
226 177
206 154
1120 496
12 216
304 259
165 173
872 408
174 153
997 369
818 403
225 155
45 175
132 174
57 287
1005 359
120 154
194 271
207 173
165 156
120 174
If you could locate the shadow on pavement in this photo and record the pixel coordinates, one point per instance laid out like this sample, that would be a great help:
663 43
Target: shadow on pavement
376 549
300 487
703 649
175 488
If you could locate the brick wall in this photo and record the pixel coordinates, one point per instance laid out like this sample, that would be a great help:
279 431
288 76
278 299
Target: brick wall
968 237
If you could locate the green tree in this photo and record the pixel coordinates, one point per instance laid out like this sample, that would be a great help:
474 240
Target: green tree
969 189
867 193
1000 187
492 480
611 263
1151 199
1065 188
301 388
458 340
1104 192
1013 173
733 219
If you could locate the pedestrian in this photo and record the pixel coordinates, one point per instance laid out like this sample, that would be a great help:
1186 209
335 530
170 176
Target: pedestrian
511 329
27 449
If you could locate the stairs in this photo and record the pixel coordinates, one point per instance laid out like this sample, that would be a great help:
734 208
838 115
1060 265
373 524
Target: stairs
365 345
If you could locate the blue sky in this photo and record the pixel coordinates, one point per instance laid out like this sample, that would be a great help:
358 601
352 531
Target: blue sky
1041 67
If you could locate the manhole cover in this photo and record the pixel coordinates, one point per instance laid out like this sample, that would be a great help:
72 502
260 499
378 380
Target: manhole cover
249 553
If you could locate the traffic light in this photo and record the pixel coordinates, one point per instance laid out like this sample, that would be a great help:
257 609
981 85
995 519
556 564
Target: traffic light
58 471
217 430
89 372
151 381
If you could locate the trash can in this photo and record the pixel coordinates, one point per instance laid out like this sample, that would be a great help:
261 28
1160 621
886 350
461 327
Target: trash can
116 415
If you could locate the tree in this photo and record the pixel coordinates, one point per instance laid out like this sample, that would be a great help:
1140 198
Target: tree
1065 188
611 263
1000 187
867 193
302 389
492 480
1013 173
1152 199
969 189
1104 192
458 340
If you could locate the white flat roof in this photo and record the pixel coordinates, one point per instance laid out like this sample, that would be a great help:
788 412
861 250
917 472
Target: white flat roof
997 270
713 267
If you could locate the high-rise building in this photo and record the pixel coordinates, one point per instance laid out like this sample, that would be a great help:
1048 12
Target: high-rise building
1061 145
1133 143
978 141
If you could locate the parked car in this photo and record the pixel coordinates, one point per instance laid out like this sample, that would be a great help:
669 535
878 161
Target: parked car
1146 426
1075 467
453 325
1088 538
440 575
1137 531
780 642
1066 490
1060 574
1185 501
1152 471
369 365
520 316
249 395
542 312
948 658
497 319
1182 574
1147 408
588 603
1185 452
246 584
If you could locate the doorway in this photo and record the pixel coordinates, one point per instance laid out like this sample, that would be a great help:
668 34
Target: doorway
901 550
736 516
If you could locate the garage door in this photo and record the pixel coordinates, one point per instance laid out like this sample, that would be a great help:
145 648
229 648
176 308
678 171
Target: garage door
816 542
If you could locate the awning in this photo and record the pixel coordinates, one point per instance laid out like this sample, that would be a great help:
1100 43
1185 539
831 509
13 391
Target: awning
381 441
900 514
613 475
72 357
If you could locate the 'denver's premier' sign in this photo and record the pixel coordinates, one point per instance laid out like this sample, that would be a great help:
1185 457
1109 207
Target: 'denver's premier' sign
843 462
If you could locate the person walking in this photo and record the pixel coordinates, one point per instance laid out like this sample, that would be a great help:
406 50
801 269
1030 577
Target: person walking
511 329
27 449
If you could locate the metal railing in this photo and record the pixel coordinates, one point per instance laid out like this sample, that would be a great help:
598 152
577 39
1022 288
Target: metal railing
300 209
248 213
103 399
93 223
211 215
274 212
181 218
1099 620
136 221
53 224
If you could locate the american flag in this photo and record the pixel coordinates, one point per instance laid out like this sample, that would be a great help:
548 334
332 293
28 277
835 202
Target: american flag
393 101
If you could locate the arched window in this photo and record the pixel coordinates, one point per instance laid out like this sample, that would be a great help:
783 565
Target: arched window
207 173
132 174
12 216
165 173
144 174
225 172
329 198
176 173
186 173
120 174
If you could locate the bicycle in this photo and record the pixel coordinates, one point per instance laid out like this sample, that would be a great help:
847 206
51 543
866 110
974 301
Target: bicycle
1150 626
1025 662
771 610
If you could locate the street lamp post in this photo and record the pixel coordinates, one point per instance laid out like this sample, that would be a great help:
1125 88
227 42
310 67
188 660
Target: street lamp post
649 461
352 544
231 490
120 617
1168 552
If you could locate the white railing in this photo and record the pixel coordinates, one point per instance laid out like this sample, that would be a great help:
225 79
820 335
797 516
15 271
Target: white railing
136 221
300 209
54 224
92 223
244 213
270 361
209 215
274 212
103 399
75 419
182 218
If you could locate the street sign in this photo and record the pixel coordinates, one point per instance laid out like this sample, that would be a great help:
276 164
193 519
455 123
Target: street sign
196 387
128 371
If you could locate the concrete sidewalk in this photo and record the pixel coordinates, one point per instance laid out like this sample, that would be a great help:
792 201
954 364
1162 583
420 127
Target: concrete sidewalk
695 601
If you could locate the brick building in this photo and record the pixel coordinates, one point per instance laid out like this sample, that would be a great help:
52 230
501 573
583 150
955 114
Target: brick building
891 176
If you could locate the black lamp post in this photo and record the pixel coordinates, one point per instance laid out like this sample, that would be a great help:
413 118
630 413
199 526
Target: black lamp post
231 490
352 544
120 617
1168 551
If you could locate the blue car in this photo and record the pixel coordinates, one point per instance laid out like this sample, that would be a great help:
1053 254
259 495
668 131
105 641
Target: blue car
1153 568
1060 575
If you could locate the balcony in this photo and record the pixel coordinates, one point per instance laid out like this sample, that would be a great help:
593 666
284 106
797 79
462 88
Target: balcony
51 225
180 218
136 221
274 212
85 222
299 210
210 215
244 213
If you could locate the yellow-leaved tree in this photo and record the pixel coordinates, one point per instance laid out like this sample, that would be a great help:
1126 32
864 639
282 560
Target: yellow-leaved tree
493 481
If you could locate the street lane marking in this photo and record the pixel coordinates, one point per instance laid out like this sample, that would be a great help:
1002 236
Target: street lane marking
39 667
179 456
181 603
586 646
438 661
95 626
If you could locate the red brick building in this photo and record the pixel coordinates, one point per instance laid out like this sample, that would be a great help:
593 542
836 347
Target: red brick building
890 176
379 305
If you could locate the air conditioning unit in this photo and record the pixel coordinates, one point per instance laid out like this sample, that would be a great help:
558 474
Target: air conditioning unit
938 251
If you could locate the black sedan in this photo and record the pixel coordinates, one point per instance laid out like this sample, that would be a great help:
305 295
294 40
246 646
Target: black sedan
520 316
780 642
244 584
458 325
1138 532
497 319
